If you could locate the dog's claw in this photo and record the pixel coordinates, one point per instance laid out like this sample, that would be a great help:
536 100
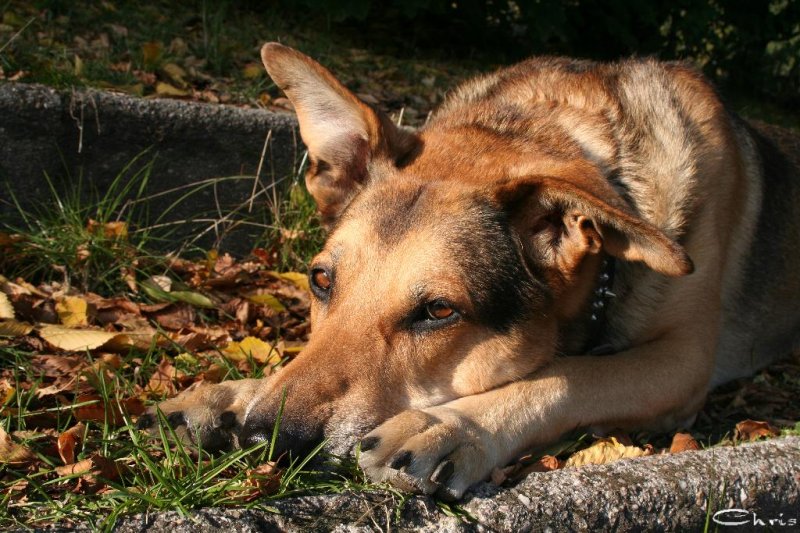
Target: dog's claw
369 443
443 472
401 459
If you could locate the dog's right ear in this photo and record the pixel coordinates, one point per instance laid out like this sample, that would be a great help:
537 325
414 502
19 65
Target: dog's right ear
342 133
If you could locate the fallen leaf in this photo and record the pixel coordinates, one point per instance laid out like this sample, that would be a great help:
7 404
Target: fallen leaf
264 480
12 328
69 440
193 298
162 382
683 442
605 451
73 340
298 278
151 53
269 300
72 311
96 410
12 452
109 230
252 347
176 73
544 464
93 472
7 392
252 71
751 430
6 309
165 89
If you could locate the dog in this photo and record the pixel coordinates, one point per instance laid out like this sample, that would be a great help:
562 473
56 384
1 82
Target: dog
564 244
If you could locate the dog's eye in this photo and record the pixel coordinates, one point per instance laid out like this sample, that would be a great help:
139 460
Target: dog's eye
438 310
320 281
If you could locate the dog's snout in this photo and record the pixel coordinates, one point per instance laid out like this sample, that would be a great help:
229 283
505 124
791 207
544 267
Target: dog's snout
292 438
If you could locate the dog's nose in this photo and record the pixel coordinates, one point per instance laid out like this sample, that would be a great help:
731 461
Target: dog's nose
292 438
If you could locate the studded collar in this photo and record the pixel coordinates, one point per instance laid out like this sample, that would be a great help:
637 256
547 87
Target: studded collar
596 343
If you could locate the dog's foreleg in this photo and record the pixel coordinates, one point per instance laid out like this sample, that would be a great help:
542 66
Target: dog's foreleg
447 448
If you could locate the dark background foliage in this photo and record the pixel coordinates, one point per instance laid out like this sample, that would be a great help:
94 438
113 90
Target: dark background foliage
750 47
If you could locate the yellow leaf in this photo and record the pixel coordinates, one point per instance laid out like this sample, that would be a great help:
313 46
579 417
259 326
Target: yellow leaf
78 69
252 347
7 392
6 309
72 311
605 451
12 328
267 299
73 340
252 71
175 73
151 53
165 89
299 279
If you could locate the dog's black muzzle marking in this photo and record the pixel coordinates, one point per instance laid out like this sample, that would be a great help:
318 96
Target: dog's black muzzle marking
291 440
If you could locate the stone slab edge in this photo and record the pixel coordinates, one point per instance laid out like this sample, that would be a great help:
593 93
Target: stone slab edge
660 493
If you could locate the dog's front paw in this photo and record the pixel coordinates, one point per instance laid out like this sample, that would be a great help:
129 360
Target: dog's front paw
434 451
204 416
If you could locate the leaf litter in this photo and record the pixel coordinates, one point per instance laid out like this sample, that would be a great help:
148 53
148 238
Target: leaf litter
78 366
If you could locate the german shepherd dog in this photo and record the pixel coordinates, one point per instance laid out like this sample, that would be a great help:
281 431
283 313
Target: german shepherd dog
565 244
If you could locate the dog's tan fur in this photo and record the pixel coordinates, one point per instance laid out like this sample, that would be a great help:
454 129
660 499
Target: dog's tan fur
504 206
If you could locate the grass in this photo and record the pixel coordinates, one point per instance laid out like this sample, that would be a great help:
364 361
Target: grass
56 242
154 475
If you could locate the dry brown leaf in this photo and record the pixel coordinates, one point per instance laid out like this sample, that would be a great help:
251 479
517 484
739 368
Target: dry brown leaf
69 441
12 328
751 430
73 311
109 230
93 472
605 451
6 309
175 317
12 452
264 480
162 382
683 442
96 410
544 464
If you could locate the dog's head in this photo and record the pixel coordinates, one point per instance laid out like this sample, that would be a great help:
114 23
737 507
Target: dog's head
455 255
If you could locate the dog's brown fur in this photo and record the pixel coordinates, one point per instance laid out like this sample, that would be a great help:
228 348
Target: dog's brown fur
502 209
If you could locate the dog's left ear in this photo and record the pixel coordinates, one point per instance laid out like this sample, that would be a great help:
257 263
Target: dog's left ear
342 133
562 221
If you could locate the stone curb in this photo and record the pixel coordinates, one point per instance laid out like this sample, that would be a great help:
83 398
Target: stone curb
96 134
660 493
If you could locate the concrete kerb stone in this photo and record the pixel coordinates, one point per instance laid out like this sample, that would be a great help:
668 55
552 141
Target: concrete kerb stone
96 134
679 492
